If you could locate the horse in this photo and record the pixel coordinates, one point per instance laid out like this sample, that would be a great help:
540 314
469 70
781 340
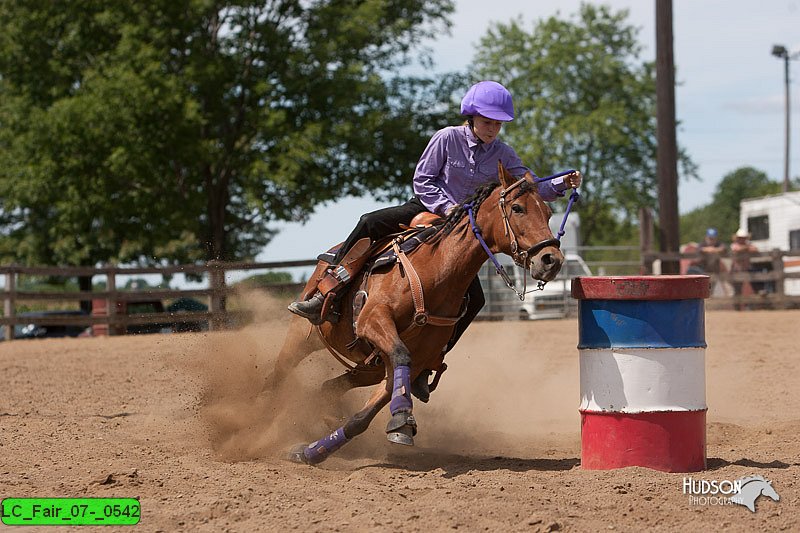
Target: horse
411 308
752 488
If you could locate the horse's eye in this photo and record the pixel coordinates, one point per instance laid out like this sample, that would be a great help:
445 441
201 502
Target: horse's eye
516 208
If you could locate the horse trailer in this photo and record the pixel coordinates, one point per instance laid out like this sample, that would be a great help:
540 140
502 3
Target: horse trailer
774 224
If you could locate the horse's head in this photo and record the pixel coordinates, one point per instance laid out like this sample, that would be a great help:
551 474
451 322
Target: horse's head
526 227
769 491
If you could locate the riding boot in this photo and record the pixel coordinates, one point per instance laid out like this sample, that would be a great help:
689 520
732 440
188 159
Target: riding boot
310 309
420 387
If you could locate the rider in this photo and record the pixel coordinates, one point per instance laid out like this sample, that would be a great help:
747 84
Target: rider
457 160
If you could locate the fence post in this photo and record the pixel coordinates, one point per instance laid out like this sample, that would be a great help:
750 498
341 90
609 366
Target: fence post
9 304
780 276
646 234
111 302
216 274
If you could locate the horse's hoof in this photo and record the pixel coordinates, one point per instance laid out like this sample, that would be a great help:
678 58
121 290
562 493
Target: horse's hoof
400 438
420 388
297 455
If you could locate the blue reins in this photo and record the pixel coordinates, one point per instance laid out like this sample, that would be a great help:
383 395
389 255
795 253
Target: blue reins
573 197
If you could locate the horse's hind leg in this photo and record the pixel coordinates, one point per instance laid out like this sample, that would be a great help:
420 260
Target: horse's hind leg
318 451
334 388
351 380
299 343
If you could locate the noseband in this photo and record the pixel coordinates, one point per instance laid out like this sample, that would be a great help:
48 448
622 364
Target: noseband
521 258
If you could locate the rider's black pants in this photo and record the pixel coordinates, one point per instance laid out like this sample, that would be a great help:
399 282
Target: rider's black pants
381 223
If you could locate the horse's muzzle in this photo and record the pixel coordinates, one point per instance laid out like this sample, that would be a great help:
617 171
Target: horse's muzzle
538 247
546 263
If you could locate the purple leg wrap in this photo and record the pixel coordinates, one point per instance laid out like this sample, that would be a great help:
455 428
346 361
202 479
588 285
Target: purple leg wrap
401 391
318 451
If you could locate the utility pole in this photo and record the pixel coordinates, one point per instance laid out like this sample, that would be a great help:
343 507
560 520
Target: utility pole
781 52
667 149
787 125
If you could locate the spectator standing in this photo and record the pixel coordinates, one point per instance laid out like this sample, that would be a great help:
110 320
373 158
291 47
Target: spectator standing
741 251
710 260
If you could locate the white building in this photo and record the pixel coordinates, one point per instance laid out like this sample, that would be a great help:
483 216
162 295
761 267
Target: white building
774 223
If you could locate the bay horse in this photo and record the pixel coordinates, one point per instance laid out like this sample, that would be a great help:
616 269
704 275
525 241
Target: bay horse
411 308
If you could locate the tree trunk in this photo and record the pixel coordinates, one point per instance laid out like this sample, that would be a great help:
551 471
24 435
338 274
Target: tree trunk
217 203
85 285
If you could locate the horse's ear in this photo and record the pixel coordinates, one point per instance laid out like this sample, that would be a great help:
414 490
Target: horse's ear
506 180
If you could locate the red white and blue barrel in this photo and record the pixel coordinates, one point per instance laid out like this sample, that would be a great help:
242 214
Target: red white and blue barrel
642 371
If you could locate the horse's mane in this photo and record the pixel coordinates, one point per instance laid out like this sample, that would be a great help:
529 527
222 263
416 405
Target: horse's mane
459 211
481 194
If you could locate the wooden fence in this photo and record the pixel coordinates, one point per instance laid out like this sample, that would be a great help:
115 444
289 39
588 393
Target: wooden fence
774 279
770 276
109 316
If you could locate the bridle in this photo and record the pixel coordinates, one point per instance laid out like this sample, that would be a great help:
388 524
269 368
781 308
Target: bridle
521 257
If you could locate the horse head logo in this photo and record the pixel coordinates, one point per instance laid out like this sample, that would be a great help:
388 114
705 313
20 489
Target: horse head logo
752 488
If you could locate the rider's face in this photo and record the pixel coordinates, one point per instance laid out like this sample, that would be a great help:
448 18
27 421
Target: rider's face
486 129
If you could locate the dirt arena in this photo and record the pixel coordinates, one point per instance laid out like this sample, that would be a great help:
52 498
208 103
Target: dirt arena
176 421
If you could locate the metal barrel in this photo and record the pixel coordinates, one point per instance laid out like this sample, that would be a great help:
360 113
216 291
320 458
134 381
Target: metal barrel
642 371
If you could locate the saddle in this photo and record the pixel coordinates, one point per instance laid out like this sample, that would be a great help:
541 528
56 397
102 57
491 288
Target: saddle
363 252
367 258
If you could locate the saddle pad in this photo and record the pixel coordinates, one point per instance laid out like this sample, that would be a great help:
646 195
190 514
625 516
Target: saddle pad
410 244
328 257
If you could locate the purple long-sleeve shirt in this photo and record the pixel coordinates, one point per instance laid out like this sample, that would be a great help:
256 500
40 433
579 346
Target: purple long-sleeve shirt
455 163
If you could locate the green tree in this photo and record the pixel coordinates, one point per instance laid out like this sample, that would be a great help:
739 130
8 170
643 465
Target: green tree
723 211
584 100
179 130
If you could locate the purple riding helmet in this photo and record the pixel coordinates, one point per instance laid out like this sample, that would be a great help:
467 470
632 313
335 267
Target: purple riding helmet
488 99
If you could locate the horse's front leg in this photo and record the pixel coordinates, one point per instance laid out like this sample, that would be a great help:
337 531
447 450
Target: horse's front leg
381 331
318 451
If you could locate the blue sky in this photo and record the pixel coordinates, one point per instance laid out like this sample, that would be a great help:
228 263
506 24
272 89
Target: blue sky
729 98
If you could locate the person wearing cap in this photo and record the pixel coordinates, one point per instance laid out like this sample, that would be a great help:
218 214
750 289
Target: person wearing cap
457 160
741 250
711 252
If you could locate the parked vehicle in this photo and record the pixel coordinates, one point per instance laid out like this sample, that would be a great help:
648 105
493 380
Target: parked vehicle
555 299
43 331
145 307
142 307
503 304
774 224
188 305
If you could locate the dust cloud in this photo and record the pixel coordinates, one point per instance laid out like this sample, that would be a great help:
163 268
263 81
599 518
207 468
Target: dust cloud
503 393
243 420
500 394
